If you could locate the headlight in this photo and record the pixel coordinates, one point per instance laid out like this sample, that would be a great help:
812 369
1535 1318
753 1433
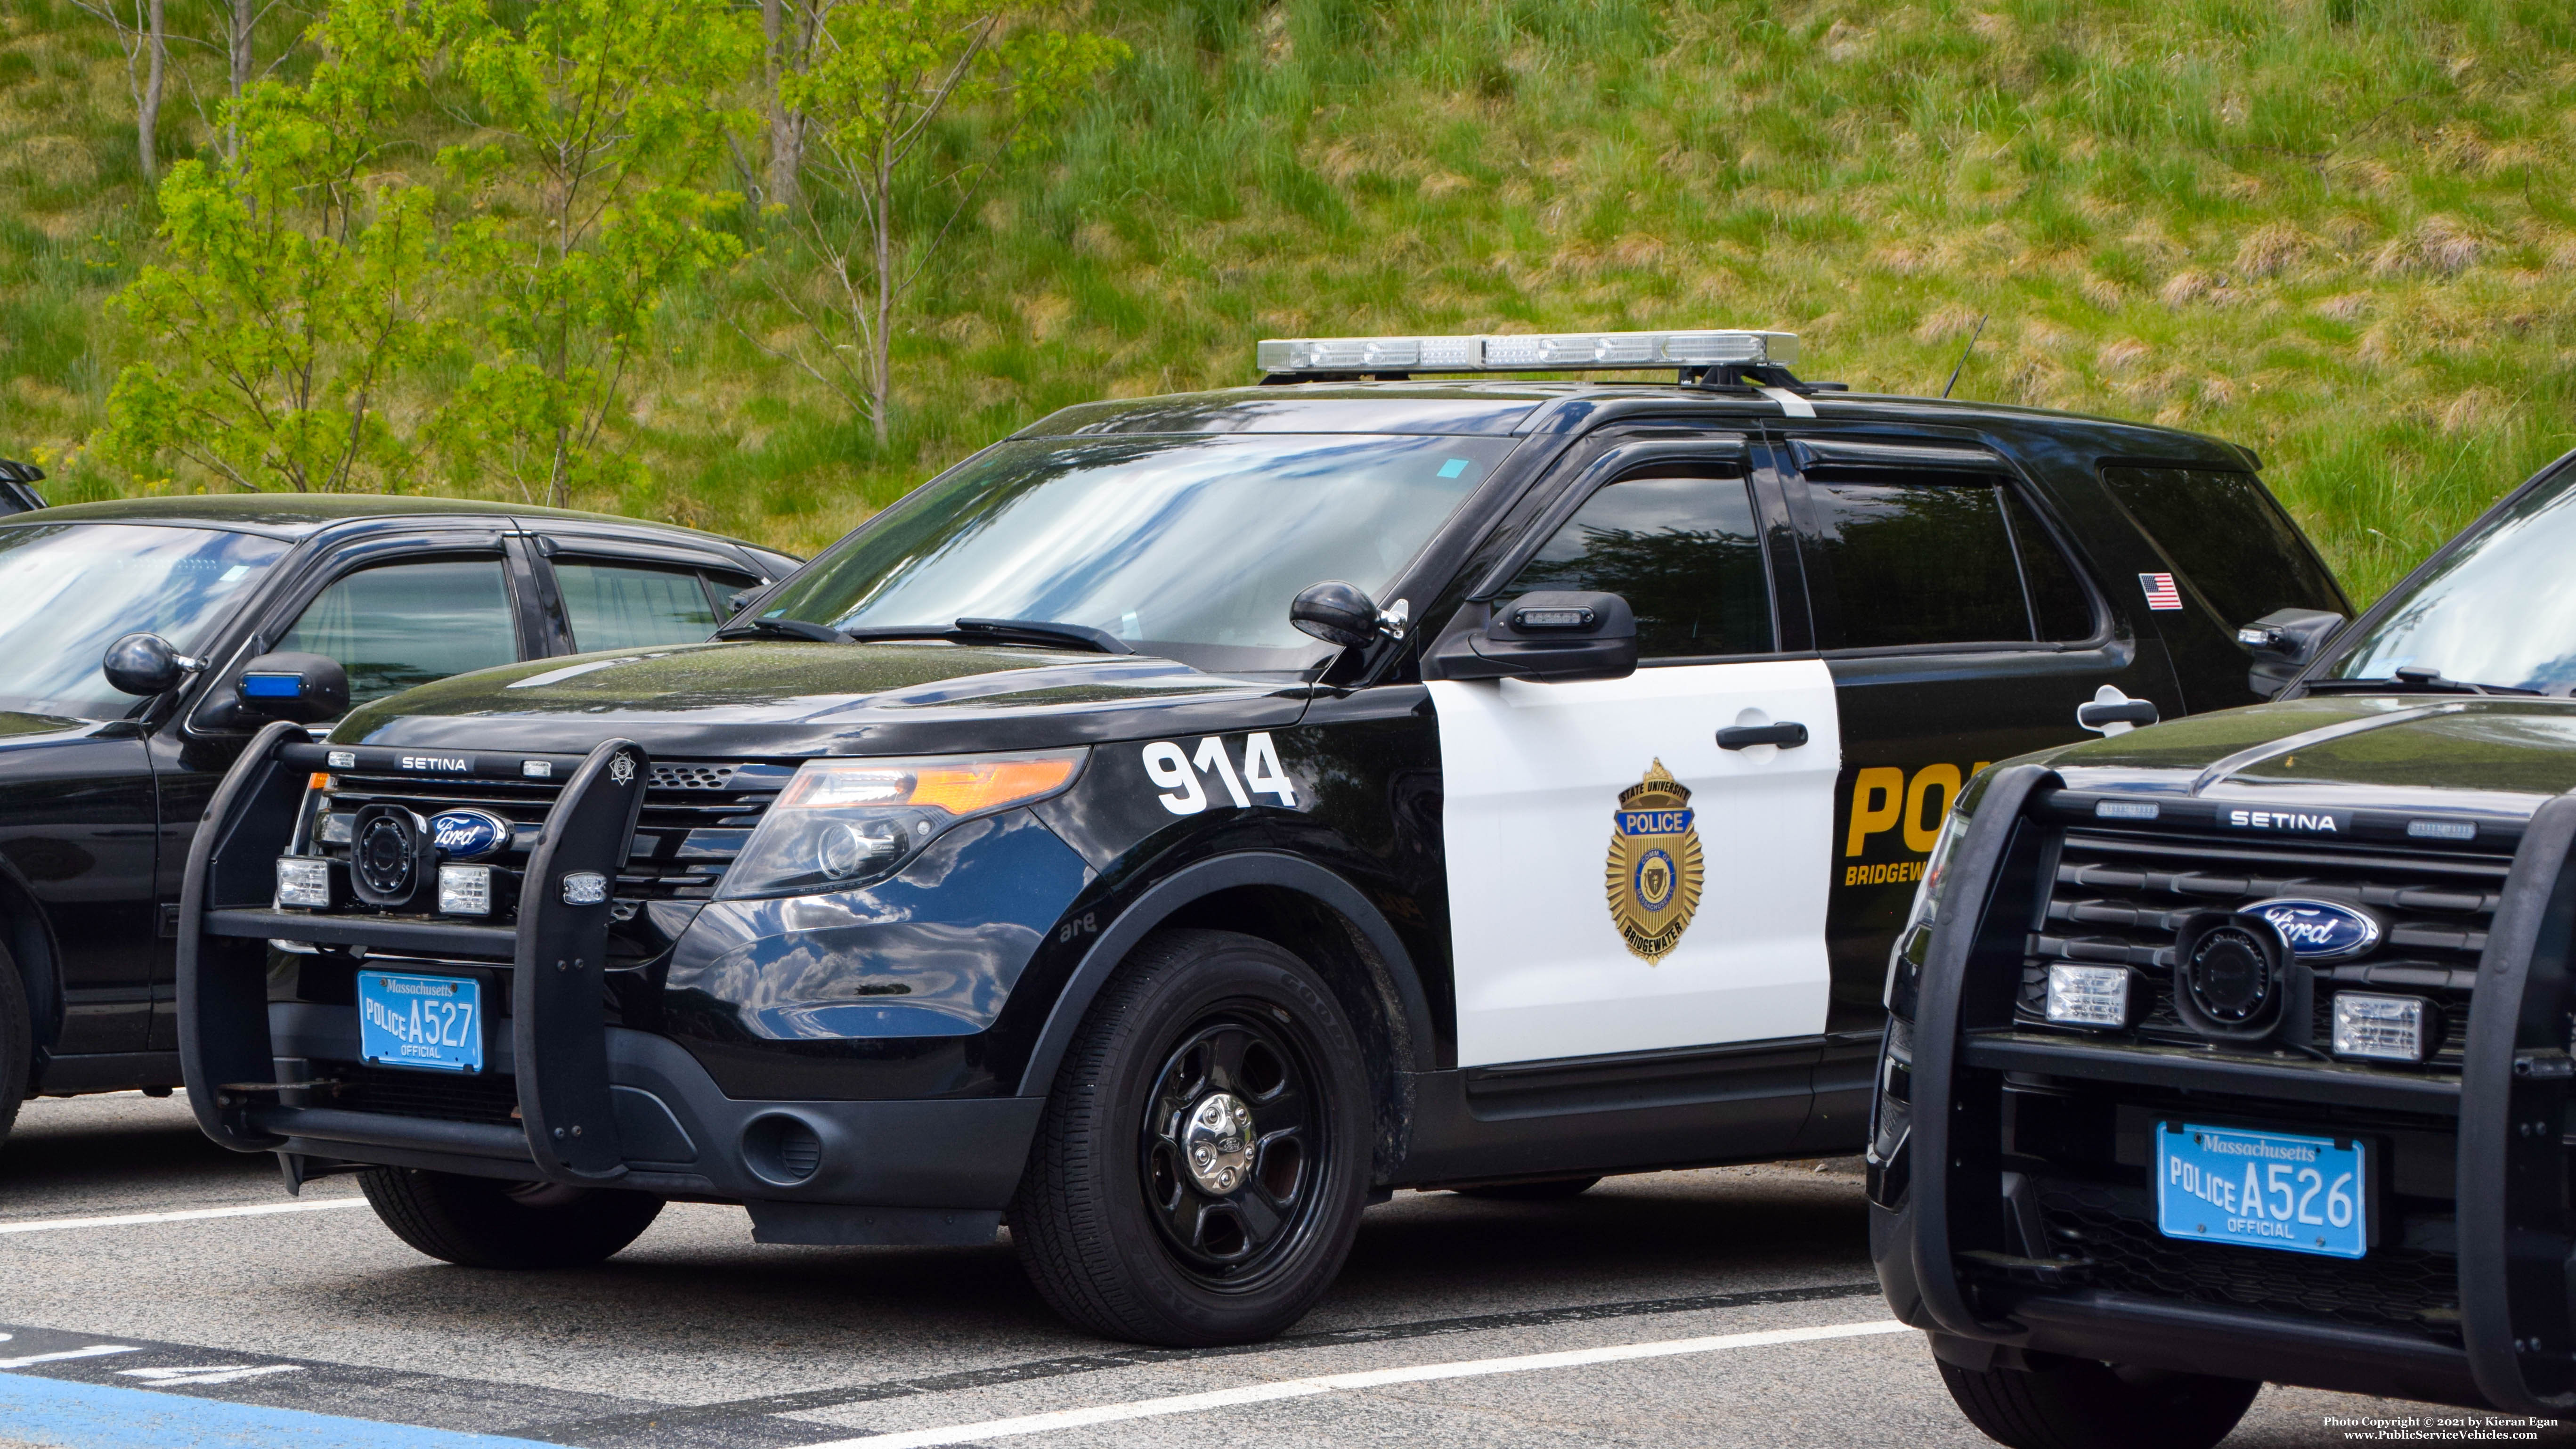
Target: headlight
843 822
1914 943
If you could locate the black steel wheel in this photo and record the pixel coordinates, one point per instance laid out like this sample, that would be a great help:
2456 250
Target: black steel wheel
1226 1141
1199 1174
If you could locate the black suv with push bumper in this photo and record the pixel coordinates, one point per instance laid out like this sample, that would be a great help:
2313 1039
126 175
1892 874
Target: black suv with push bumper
1192 818
146 642
2237 1050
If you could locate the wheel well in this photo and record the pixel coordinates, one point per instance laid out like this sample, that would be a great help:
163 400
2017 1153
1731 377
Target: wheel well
1362 981
22 930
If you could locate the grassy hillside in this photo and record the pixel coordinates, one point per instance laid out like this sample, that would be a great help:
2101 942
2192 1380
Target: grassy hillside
2342 231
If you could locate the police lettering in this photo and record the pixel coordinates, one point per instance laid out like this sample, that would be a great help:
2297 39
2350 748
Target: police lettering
1885 798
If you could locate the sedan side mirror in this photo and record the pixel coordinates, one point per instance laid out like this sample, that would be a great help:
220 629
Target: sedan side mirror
2285 642
305 688
1548 636
1340 613
145 664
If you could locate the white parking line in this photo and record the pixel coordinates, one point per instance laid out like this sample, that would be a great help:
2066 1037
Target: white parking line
127 1220
1370 1379
210 1373
95 1350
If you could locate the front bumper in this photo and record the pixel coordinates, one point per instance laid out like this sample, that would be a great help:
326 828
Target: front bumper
2160 1333
1966 1252
564 1097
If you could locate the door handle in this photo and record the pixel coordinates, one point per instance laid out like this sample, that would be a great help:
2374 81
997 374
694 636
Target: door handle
1788 735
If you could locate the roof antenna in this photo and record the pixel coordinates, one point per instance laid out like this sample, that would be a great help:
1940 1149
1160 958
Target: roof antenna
1963 354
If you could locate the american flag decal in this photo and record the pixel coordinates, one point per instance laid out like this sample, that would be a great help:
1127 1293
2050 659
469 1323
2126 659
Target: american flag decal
2161 593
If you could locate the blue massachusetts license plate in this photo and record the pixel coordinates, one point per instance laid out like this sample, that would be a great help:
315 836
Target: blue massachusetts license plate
434 1023
2262 1189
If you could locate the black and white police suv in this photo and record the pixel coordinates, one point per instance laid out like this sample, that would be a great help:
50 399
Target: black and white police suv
2237 1050
1191 818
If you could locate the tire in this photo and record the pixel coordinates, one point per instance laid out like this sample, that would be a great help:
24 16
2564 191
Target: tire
1553 1190
483 1222
2073 1403
17 1042
1118 1231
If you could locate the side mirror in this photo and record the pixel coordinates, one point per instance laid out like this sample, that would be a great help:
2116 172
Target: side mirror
305 688
18 487
1549 636
145 664
2285 642
1340 613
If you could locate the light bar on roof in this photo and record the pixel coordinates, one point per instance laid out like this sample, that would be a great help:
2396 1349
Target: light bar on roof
1544 352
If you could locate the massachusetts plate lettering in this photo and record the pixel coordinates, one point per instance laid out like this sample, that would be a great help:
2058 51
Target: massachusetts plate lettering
2261 1189
1654 871
433 1023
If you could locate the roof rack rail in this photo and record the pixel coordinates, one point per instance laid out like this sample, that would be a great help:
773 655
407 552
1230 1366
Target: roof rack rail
1708 358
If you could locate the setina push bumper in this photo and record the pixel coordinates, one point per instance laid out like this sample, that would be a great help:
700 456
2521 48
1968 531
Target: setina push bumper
524 1072
1979 1118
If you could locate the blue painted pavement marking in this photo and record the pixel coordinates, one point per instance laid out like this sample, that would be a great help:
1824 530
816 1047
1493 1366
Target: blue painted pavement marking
97 1416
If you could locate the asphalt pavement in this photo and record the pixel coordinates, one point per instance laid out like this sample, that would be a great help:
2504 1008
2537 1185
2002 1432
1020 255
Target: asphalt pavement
157 1291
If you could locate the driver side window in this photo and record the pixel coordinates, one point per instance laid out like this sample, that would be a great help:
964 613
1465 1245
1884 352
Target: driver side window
1683 550
398 625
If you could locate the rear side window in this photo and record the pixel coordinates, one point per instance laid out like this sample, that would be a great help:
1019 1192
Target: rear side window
2228 538
397 625
630 606
2058 603
1910 559
1684 552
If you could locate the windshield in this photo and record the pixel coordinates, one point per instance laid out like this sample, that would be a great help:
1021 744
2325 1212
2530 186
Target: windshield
73 588
2496 613
1189 548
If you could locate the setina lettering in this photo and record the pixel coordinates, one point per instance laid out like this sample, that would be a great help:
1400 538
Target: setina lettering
455 763
2322 824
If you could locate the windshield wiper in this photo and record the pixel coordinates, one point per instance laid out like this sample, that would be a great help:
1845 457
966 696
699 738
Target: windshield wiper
2412 679
1006 631
784 629
1042 631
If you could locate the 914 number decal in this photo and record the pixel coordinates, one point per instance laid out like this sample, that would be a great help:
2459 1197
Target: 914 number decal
1177 770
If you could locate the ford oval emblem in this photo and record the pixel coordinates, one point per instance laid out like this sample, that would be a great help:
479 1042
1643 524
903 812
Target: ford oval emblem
2319 930
469 834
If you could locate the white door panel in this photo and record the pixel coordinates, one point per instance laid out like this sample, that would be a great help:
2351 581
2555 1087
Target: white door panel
1532 775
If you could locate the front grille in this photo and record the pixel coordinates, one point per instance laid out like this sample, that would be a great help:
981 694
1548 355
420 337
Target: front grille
2122 898
442 1097
697 816
2411 1289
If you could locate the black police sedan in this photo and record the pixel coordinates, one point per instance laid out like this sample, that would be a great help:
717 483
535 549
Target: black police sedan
106 764
1194 817
2237 1050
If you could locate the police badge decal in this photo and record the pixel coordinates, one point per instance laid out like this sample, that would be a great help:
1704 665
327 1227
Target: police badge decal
1654 869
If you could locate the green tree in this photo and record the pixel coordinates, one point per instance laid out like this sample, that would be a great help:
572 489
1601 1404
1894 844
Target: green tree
882 76
585 212
291 294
